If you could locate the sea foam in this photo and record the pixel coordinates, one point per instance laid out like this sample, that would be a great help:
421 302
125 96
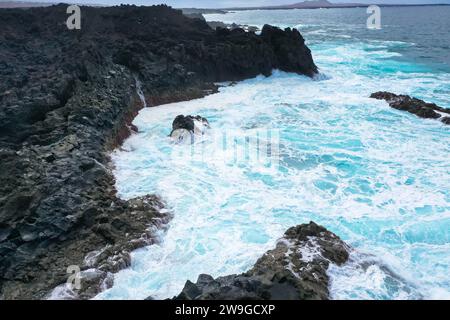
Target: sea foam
375 176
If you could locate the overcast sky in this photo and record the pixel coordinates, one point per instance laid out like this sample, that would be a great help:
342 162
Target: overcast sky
232 3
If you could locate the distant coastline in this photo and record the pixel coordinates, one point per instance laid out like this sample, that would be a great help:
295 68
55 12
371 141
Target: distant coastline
30 4
301 5
362 5
23 4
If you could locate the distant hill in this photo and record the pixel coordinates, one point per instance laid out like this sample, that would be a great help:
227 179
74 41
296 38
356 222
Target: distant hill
29 4
23 4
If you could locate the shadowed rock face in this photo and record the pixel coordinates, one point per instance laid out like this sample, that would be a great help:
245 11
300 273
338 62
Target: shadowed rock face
288 45
67 98
295 270
415 106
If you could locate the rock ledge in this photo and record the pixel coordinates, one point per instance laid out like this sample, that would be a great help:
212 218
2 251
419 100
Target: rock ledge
415 106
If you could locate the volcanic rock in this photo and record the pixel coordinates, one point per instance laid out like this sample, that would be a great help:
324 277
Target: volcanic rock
415 106
191 125
295 270
67 98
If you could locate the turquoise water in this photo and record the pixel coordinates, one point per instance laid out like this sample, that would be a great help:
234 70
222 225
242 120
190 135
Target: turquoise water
377 177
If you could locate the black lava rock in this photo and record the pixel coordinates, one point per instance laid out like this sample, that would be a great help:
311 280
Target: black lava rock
187 122
415 106
67 98
295 270
182 122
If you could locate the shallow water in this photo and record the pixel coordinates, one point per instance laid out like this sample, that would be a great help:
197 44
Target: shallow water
377 177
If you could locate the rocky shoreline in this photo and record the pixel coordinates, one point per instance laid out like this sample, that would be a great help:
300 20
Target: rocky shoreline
67 98
219 24
295 270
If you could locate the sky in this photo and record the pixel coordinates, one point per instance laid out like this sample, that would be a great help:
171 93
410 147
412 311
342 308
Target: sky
233 3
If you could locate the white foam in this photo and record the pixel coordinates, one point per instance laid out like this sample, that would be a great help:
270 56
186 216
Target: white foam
377 177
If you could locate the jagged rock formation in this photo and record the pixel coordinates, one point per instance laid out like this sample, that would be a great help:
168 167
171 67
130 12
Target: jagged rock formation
415 106
185 128
295 270
67 97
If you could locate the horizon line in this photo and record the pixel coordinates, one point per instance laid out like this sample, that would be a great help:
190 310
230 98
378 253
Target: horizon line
347 5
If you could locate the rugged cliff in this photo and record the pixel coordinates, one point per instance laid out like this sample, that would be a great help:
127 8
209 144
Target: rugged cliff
67 98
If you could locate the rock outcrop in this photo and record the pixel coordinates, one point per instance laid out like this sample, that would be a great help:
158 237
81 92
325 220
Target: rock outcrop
295 270
185 128
67 98
415 106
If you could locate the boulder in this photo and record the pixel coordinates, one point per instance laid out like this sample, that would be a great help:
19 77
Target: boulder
186 127
446 120
295 270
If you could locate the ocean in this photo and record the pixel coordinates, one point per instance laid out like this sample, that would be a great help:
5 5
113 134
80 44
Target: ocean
377 177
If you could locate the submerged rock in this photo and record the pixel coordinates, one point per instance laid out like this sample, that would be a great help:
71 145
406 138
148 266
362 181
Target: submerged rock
446 120
415 106
295 270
